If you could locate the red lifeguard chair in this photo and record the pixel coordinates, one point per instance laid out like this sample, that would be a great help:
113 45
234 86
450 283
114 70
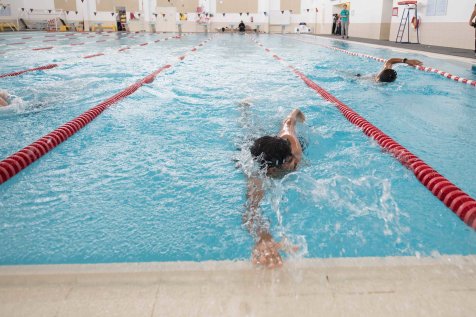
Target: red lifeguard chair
405 22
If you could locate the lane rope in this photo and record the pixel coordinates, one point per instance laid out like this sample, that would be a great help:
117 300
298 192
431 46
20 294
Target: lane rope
18 161
427 69
49 66
463 205
61 37
72 37
44 67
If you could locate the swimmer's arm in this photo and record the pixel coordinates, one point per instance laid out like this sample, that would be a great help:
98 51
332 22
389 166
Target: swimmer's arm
266 249
392 61
289 124
252 218
289 129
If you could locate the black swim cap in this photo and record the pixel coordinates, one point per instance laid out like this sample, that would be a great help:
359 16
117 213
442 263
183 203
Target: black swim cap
388 75
271 150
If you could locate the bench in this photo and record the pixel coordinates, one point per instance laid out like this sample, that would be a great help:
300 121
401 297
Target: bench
64 28
9 25
101 27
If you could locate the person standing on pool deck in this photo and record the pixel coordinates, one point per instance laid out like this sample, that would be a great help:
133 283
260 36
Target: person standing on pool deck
4 97
241 27
387 74
344 22
276 156
335 17
473 24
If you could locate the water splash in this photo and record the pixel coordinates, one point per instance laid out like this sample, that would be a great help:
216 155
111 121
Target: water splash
17 105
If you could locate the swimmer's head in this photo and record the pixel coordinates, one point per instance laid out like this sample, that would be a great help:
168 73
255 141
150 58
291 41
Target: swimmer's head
387 76
271 151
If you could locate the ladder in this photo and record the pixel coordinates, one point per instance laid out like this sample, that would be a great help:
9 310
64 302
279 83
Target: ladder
405 22
23 23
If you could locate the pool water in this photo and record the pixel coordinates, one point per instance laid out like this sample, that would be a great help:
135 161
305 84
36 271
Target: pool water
158 176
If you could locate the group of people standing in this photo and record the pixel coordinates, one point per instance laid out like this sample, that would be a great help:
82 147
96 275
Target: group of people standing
340 25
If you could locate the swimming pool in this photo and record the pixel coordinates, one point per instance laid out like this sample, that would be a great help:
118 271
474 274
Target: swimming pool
156 177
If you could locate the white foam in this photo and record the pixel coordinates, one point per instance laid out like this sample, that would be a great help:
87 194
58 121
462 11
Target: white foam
17 105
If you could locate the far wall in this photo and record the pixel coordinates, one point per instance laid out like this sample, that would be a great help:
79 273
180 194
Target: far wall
375 21
94 11
450 29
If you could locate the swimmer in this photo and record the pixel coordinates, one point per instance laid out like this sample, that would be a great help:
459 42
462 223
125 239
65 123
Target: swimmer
387 74
276 155
4 99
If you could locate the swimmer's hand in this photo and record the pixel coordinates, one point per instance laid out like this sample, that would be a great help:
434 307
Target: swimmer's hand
266 251
414 62
246 102
297 115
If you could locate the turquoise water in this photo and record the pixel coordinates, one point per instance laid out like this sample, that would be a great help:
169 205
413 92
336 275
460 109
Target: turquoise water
157 176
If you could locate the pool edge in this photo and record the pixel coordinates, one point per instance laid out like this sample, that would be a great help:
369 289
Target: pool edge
467 60
393 286
135 267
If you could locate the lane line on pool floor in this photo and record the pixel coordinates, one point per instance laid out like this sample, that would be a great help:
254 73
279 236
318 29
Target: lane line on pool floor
18 161
463 205
122 49
426 69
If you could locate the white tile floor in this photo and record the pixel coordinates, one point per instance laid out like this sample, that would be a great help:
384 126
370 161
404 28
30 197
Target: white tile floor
444 286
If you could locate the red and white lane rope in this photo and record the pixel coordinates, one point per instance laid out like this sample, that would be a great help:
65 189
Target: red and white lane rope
463 205
50 66
456 78
15 163
71 37
44 67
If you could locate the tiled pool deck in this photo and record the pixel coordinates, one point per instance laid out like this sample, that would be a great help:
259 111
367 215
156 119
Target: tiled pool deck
451 51
394 286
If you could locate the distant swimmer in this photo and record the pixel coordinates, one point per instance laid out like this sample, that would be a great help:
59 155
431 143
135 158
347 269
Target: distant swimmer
276 156
4 98
387 74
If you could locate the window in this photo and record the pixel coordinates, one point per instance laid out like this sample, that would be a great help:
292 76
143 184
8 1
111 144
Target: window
436 7
5 11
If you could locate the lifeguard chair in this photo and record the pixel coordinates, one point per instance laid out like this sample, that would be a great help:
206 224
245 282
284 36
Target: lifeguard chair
410 6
